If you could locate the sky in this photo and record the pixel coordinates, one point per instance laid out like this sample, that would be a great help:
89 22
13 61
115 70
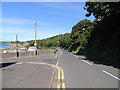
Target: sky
53 18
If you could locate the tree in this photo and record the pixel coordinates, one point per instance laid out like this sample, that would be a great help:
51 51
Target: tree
102 9
80 34
103 44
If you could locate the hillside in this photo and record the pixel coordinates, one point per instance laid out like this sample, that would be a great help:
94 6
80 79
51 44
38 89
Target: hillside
98 40
103 44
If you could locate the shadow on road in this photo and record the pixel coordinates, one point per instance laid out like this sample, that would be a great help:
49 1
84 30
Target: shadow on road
2 65
102 62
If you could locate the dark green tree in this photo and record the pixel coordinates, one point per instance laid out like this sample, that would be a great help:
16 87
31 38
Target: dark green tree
103 44
79 35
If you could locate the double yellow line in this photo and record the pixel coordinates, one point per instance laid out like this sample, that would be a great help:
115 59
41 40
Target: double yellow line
60 76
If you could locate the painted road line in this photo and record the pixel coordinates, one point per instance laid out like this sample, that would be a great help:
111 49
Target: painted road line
52 66
55 56
63 76
58 86
49 65
19 63
110 74
60 79
86 62
63 85
61 52
57 63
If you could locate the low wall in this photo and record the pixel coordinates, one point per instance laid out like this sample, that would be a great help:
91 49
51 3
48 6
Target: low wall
23 54
28 53
8 55
45 52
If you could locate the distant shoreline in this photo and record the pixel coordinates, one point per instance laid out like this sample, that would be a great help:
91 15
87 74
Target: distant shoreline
11 45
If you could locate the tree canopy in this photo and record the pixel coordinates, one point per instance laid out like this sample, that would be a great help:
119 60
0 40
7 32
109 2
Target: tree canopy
98 40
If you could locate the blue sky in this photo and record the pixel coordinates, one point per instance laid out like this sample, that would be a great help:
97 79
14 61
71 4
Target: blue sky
53 18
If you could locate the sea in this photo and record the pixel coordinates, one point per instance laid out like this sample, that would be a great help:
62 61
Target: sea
2 45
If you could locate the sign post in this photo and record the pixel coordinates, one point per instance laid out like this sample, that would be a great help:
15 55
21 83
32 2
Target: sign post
35 38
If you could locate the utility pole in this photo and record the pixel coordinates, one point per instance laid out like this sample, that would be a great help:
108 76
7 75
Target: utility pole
17 53
35 37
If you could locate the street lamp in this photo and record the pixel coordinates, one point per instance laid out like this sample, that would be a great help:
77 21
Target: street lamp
17 53
35 38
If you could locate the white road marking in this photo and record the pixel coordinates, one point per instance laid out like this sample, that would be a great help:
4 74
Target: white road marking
110 74
55 56
57 63
82 60
19 63
86 62
61 52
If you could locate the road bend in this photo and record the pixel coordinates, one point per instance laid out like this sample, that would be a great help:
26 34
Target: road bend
79 74
71 72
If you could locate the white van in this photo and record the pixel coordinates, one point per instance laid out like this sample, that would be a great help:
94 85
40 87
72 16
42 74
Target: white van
32 49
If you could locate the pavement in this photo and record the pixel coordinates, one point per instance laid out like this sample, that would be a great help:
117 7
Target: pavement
62 70
16 73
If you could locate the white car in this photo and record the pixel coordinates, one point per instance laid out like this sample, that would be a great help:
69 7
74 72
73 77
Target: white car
32 49
5 51
23 48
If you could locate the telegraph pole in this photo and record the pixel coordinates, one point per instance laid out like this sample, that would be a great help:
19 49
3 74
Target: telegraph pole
17 53
35 37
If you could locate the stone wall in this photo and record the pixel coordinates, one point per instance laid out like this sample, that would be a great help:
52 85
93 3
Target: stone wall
45 52
8 55
27 53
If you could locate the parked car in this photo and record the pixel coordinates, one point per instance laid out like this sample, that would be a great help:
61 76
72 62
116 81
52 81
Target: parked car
32 49
23 49
5 51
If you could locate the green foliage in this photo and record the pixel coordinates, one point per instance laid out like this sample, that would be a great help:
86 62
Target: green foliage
102 9
62 40
74 41
31 43
97 39
65 41
26 46
103 44
80 35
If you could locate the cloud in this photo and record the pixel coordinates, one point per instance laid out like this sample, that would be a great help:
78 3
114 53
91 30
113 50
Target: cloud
65 9
29 33
63 6
15 25
15 30
16 21
22 22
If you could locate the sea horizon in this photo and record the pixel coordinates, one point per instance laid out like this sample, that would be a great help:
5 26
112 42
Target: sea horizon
3 45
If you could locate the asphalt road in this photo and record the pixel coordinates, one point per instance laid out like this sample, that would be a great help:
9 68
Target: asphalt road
78 73
17 73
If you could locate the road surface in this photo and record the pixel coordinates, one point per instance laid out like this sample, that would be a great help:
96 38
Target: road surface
83 74
77 72
20 74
